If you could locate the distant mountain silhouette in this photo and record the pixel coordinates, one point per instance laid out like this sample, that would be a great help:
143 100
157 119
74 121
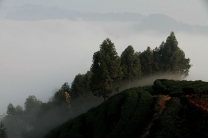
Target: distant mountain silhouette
154 22
37 12
164 23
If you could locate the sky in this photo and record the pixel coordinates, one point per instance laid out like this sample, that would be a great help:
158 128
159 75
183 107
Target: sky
188 11
37 57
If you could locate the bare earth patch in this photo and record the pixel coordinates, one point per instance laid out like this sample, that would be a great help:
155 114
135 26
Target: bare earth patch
162 102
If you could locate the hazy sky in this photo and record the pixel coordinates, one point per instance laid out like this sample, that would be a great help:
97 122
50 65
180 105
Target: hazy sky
37 57
188 11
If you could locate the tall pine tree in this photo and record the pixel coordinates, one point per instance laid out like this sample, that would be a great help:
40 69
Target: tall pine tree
130 64
146 59
77 86
173 58
81 84
105 70
10 110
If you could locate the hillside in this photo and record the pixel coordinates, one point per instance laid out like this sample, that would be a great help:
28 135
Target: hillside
145 112
128 110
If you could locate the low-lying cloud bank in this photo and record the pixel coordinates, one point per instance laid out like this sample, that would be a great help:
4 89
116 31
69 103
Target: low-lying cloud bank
39 56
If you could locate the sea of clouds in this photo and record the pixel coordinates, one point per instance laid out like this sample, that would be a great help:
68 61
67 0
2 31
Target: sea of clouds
37 57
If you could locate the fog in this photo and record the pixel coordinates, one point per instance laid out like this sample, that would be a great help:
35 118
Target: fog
188 11
38 57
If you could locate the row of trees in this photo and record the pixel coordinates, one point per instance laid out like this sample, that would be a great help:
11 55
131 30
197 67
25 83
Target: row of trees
107 74
167 58
37 117
109 71
108 68
23 122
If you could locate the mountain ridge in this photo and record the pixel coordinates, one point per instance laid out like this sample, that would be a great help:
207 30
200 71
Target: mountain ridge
154 22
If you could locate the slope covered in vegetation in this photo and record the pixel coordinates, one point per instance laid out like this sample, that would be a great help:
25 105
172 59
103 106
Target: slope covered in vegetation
182 118
128 114
122 115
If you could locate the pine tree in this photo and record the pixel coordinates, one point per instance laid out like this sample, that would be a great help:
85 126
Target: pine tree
173 58
86 82
31 103
81 84
3 133
10 110
77 86
65 87
157 64
59 97
106 70
146 59
130 64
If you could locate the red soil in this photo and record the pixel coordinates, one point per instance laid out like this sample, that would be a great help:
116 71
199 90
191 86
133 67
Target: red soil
198 102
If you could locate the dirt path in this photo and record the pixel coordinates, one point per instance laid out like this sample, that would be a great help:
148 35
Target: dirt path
162 102
159 107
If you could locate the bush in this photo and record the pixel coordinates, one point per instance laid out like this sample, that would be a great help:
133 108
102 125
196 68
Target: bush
139 117
166 121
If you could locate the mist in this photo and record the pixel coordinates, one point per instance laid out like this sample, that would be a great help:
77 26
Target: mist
38 57
37 121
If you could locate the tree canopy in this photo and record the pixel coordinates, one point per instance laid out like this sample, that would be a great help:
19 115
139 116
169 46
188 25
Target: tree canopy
10 109
130 64
77 86
31 103
65 87
167 58
146 59
81 84
174 57
106 69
